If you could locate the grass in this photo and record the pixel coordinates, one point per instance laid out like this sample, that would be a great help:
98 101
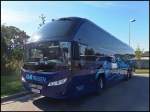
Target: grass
10 84
138 71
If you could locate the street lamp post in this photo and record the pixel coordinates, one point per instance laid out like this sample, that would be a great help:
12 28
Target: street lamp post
132 20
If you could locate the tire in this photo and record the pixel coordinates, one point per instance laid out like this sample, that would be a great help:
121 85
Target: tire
101 84
129 75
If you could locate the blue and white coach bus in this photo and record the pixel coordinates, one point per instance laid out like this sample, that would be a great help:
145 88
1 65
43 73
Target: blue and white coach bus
72 56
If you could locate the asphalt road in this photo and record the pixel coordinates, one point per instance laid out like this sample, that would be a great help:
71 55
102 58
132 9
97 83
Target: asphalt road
130 95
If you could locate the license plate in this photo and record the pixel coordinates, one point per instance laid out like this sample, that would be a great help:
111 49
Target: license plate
35 90
35 86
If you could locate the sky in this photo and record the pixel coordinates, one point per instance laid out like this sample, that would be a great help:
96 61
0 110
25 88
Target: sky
113 16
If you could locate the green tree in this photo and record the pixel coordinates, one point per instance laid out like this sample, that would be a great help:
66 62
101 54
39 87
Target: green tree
12 42
138 55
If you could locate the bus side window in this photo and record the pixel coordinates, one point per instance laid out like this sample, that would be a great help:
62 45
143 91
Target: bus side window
75 51
114 64
65 49
90 54
82 54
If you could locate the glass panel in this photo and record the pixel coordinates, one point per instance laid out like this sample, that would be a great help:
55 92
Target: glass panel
104 58
82 54
66 53
45 50
56 28
86 53
82 49
47 55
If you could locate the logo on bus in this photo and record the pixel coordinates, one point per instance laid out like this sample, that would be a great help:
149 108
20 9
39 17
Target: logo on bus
29 76
35 78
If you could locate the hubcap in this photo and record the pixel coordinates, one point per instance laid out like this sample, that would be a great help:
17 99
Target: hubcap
101 83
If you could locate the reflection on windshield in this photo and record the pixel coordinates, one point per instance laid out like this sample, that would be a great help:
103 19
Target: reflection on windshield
48 53
39 51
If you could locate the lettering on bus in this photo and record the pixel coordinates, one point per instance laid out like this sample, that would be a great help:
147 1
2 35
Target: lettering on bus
35 78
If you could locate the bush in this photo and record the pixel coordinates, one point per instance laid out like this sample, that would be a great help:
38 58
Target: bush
12 41
11 66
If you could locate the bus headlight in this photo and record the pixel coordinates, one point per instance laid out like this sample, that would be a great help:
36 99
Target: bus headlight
23 79
59 82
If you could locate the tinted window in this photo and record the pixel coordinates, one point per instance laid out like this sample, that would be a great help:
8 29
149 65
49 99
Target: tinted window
86 53
75 51
48 50
37 51
66 53
56 28
82 49
47 56
109 59
96 37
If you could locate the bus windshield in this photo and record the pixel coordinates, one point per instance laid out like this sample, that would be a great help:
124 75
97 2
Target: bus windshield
47 53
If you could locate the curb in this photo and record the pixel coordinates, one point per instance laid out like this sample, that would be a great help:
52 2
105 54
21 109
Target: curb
6 98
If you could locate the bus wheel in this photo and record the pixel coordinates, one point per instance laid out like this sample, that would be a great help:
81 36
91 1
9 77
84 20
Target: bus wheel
100 84
128 75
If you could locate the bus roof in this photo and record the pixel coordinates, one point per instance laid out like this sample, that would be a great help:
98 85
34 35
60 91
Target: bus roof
81 30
